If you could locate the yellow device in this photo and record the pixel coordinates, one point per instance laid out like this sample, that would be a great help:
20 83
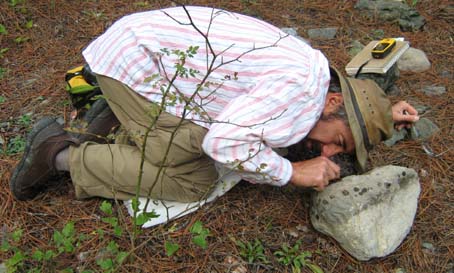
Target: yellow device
383 48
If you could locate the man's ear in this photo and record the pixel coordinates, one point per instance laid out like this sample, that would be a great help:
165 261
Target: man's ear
332 102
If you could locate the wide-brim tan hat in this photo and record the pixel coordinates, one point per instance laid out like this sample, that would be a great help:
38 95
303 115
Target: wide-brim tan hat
369 114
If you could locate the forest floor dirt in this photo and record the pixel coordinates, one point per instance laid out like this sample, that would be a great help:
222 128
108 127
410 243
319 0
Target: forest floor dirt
32 86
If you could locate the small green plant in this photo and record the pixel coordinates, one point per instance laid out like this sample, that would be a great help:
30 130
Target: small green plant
65 240
2 99
252 251
2 72
113 257
3 51
25 120
15 145
21 39
106 207
29 24
3 29
9 244
199 234
171 248
14 3
296 259
143 217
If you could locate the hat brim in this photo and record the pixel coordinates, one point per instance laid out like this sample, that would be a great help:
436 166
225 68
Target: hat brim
354 120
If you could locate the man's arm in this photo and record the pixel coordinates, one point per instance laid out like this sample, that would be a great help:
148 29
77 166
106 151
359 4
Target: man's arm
315 173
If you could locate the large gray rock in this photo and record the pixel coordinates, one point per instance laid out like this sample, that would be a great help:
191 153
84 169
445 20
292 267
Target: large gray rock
369 215
414 60
393 11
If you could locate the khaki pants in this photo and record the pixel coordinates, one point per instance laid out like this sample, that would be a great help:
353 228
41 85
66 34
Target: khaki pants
112 171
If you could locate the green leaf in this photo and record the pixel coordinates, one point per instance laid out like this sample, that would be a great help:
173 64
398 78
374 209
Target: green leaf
135 202
105 264
20 40
49 255
58 238
121 256
196 227
17 259
29 24
2 71
200 241
118 231
141 219
17 234
110 220
315 268
3 29
106 207
112 247
38 255
5 246
68 230
171 248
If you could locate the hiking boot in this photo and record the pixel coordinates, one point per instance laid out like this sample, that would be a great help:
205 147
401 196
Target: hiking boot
99 121
37 166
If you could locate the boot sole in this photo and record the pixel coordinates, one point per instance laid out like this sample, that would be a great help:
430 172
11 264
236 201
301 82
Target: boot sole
26 160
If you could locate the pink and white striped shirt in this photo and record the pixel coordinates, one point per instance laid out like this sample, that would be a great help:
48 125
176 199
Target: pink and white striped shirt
270 97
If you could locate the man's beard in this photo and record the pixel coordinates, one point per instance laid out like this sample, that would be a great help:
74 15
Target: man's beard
301 152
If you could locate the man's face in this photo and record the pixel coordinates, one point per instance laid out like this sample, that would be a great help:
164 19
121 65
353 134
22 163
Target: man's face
330 137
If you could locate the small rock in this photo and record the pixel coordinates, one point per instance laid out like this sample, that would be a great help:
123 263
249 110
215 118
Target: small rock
322 33
355 48
396 137
428 246
434 90
420 108
400 270
82 257
424 128
293 32
293 232
3 268
423 173
446 74
234 265
302 228
374 217
414 60
290 31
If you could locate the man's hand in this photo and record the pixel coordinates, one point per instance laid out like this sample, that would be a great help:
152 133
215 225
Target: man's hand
316 172
404 115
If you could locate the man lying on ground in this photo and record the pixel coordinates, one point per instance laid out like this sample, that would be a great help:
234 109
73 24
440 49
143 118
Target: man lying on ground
271 90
